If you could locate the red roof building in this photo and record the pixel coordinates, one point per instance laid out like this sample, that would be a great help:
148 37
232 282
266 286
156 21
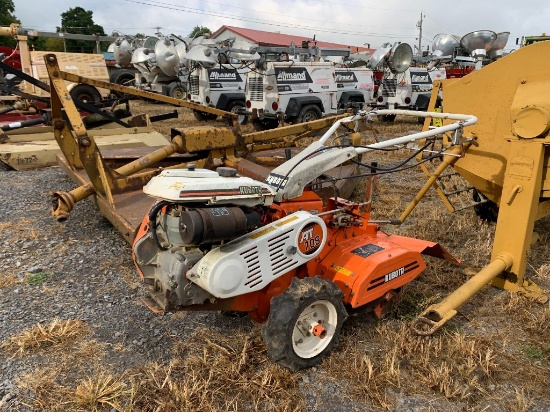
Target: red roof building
266 38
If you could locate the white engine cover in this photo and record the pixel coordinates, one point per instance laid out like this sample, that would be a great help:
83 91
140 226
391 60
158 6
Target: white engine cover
207 186
251 262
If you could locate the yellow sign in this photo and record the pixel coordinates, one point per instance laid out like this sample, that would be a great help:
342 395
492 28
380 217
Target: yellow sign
343 271
437 122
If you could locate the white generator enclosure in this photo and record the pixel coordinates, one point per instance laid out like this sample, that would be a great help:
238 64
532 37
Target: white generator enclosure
251 262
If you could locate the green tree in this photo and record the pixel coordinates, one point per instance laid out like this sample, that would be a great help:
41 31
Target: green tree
51 45
76 20
6 18
200 31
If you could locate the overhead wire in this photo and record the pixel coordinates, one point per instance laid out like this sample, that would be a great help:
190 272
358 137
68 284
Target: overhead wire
168 6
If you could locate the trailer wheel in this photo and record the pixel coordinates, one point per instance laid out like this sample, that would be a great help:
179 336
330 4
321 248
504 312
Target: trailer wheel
123 77
176 90
203 116
234 107
487 211
85 93
309 113
388 118
304 323
4 166
265 124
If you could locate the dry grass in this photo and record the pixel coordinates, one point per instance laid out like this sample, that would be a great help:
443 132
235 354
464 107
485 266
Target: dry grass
460 368
57 333
8 279
494 355
98 391
210 373
185 117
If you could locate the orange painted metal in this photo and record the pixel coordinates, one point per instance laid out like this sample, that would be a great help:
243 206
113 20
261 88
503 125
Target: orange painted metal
368 265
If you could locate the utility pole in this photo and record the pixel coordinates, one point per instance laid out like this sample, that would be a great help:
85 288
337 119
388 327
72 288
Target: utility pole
419 25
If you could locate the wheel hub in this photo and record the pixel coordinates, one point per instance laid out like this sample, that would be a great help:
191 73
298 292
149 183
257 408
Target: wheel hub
314 329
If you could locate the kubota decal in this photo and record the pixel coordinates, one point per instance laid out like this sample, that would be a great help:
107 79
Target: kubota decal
394 274
250 190
276 180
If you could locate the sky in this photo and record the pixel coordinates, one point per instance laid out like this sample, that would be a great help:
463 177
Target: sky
356 23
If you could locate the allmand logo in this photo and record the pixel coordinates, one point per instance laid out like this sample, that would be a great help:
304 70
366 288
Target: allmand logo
225 75
345 77
310 238
419 77
291 75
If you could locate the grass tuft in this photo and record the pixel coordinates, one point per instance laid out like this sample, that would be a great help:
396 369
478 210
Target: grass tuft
99 391
40 336
7 280
36 279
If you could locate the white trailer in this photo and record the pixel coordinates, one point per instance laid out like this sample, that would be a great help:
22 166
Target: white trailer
222 87
297 92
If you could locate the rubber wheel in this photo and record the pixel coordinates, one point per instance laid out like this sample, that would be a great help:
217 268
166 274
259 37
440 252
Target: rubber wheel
487 211
204 117
388 118
176 90
309 113
234 107
4 166
304 323
124 77
265 124
357 103
85 93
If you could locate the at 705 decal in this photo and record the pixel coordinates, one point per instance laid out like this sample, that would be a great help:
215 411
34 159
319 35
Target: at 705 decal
310 238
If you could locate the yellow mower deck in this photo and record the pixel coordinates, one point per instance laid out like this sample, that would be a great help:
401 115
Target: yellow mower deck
35 147
116 177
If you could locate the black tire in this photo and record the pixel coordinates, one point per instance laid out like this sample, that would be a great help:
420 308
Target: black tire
85 93
177 90
304 301
309 113
487 211
357 103
4 166
234 107
203 116
265 124
123 77
388 118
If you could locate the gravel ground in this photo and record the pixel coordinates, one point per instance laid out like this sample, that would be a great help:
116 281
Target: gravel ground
90 277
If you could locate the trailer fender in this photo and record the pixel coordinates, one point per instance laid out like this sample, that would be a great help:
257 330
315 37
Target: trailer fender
350 96
295 104
227 98
423 100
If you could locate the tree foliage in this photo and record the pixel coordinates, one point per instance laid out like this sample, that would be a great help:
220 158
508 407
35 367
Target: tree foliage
6 18
79 21
200 31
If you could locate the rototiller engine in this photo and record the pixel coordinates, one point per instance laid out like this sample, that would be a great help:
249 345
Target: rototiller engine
218 241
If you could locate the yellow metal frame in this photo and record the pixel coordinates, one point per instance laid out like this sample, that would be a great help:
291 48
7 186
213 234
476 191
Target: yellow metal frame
222 145
71 77
511 166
